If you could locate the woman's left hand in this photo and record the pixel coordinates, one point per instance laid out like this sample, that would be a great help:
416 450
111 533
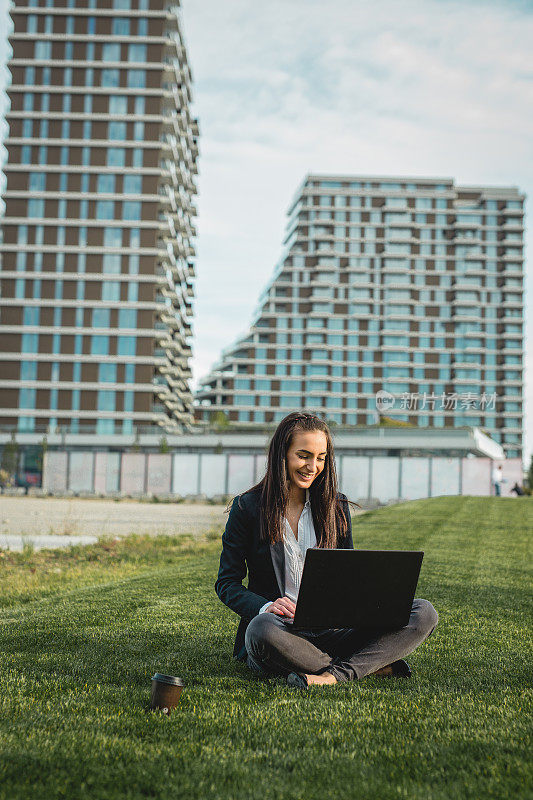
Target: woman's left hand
283 606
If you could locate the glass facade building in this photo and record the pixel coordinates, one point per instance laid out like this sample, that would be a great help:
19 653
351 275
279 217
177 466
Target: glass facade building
97 253
412 287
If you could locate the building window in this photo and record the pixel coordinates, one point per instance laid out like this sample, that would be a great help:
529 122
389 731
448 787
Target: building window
105 209
105 426
127 318
111 291
126 346
101 317
131 210
112 237
105 184
116 157
137 53
107 373
116 130
28 370
31 316
110 78
120 26
111 52
27 398
112 263
43 51
26 424
99 345
118 104
136 79
133 184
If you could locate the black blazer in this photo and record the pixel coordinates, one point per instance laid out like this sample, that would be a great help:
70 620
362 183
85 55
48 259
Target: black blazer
242 549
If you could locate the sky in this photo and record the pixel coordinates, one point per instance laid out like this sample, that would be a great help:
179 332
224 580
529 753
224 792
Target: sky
429 88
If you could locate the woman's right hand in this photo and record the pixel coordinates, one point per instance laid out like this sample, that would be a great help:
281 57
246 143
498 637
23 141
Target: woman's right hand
283 606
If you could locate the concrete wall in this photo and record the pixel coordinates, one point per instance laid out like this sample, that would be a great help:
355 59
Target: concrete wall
360 477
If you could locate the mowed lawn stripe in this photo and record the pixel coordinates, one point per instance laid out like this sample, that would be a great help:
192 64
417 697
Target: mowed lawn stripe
75 668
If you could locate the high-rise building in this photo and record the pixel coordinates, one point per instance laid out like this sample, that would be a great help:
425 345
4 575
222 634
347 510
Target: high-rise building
407 285
97 254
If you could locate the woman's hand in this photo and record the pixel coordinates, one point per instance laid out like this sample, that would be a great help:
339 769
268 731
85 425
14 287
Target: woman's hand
283 606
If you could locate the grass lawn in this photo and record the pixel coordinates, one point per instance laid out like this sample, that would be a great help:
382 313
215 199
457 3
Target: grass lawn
82 631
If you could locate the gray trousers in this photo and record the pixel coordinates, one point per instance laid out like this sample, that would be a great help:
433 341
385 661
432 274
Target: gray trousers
348 653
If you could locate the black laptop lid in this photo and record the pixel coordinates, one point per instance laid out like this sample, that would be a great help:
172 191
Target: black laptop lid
357 588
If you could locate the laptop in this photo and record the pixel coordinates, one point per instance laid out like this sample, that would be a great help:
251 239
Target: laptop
357 588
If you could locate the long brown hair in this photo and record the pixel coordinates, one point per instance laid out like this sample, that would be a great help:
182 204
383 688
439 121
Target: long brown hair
325 505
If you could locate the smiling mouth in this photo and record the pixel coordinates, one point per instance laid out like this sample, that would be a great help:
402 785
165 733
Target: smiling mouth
305 476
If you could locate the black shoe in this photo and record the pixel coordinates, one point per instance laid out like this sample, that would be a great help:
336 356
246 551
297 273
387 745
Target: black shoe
401 669
297 681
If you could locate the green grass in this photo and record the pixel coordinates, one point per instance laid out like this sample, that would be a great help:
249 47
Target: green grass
78 647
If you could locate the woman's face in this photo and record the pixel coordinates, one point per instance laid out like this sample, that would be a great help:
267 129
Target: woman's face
306 457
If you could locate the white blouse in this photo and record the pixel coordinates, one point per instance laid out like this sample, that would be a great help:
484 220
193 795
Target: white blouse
295 550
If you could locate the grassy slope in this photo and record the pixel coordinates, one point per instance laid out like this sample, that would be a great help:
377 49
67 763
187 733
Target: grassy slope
78 648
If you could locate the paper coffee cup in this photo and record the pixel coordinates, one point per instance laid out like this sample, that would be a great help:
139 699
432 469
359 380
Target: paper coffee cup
166 692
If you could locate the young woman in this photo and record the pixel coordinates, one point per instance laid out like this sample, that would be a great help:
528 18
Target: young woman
269 528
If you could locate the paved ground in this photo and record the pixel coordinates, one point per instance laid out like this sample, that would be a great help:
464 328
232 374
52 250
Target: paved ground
59 522
74 516
38 542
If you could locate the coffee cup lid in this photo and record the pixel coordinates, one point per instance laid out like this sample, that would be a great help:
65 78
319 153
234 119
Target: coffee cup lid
171 679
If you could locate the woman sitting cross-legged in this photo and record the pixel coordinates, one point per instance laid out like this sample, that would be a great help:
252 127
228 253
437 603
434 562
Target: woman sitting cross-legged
296 506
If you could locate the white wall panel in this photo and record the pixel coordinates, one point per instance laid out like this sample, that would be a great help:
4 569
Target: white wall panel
80 471
476 476
260 467
112 481
385 475
132 473
158 475
55 471
100 473
240 473
212 474
185 474
445 476
415 478
354 481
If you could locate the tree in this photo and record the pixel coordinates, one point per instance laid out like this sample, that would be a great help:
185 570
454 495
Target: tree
43 447
220 419
10 457
389 422
530 474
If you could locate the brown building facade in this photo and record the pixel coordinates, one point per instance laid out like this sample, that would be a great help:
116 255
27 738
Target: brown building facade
97 255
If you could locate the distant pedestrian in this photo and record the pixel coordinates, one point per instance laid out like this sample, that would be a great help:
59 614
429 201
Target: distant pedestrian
518 490
497 479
